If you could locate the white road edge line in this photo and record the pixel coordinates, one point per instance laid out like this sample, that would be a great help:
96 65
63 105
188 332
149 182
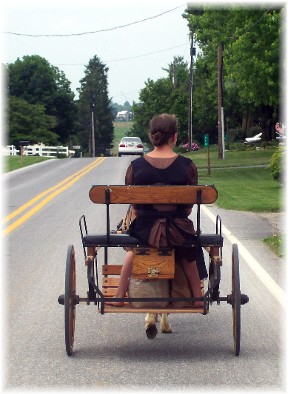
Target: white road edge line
262 275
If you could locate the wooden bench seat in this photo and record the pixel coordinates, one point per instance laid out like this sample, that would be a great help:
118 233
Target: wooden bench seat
149 194
125 240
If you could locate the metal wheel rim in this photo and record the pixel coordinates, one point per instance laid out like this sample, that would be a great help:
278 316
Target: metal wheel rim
236 300
70 308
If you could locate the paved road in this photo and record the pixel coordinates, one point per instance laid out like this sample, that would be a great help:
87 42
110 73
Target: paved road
112 350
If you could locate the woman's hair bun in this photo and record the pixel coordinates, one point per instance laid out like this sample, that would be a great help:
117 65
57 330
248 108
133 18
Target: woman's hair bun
161 128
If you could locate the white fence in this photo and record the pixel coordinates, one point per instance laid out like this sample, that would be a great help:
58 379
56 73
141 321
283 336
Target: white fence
38 150
9 150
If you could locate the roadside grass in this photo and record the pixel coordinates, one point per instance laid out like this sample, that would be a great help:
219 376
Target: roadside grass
248 189
11 163
243 189
232 158
276 244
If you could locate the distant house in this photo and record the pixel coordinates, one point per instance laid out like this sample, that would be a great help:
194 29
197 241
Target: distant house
123 116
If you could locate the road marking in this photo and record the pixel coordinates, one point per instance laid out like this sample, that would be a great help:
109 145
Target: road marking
254 265
60 187
33 200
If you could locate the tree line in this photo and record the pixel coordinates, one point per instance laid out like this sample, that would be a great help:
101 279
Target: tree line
251 80
42 107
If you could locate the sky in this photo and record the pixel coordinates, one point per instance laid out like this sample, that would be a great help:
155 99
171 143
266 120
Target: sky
156 32
147 46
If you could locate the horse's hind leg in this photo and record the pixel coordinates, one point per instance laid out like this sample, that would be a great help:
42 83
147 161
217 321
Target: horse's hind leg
150 325
165 326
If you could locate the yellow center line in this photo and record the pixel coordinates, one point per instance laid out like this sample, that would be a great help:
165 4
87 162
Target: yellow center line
66 185
33 200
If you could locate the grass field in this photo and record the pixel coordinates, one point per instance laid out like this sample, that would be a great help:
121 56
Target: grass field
240 184
245 189
11 163
120 131
232 158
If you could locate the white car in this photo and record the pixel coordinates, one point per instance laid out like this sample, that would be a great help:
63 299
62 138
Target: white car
130 146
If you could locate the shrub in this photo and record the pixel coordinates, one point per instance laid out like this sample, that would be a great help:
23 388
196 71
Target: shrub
240 146
61 156
236 135
276 164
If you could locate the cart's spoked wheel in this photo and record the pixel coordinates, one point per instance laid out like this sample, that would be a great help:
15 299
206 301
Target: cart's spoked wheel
236 299
69 300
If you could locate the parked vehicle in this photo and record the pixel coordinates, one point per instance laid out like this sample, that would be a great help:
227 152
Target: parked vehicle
130 146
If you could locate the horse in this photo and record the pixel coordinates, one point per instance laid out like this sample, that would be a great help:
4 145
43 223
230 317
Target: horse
150 324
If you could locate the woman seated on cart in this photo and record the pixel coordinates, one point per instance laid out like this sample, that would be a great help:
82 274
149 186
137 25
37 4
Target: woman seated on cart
162 225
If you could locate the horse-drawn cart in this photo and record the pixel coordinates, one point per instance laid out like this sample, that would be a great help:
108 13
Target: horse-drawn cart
103 280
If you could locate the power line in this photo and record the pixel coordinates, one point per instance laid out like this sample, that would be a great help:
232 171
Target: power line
145 54
97 31
126 58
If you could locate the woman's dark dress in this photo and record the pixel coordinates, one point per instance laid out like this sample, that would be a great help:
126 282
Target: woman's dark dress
162 225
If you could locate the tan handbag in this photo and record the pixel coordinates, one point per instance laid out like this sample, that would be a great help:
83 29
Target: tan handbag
148 288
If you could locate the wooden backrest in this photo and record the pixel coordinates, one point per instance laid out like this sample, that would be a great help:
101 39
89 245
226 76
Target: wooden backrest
153 194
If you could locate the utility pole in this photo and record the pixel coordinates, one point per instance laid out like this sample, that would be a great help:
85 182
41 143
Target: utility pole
221 148
174 76
93 127
190 124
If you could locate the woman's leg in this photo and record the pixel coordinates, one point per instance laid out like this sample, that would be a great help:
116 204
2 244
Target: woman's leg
191 272
126 273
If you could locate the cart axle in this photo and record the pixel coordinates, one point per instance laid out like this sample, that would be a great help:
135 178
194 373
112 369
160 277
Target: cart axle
61 299
229 299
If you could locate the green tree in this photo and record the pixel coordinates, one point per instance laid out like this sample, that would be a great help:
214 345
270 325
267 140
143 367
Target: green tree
34 80
127 106
204 101
119 107
253 66
154 99
166 95
93 98
65 110
178 73
251 39
30 123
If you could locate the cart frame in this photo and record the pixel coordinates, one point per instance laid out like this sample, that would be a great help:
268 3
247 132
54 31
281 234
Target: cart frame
152 194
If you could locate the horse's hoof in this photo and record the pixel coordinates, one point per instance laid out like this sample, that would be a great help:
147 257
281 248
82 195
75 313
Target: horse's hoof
151 331
166 330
